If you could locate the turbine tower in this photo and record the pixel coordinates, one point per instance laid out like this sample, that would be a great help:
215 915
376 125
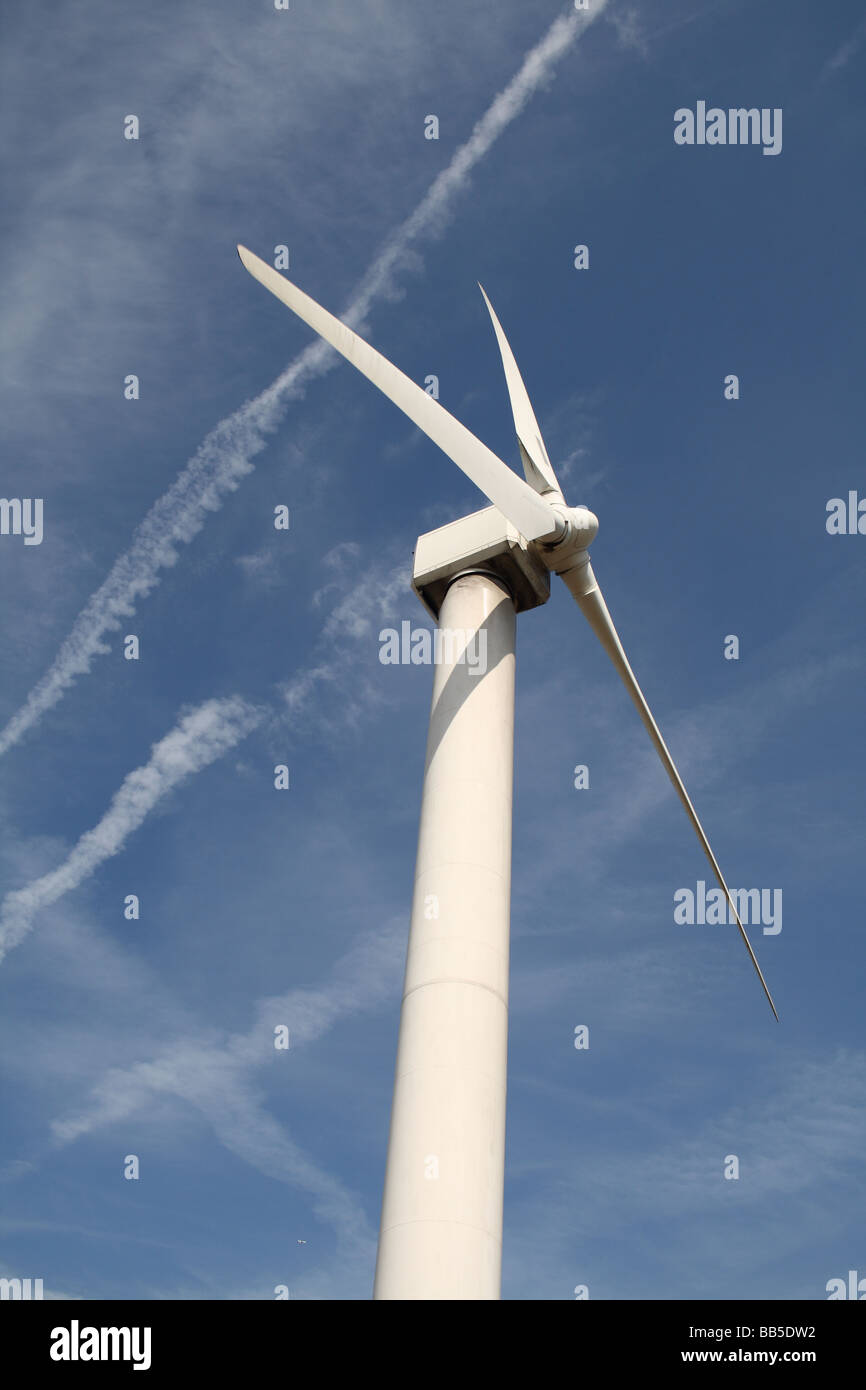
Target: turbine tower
441 1228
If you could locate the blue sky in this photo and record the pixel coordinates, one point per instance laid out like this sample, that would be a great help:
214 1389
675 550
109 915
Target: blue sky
155 777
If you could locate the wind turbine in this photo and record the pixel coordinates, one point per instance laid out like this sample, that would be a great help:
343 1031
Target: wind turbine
441 1229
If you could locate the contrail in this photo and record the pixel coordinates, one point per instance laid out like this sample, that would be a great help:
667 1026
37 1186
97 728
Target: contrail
218 1078
198 739
225 455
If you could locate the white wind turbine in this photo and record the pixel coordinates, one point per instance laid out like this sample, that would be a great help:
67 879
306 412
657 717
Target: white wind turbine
441 1229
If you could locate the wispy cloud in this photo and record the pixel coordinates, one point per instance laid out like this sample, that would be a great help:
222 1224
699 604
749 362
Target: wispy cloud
225 456
366 597
629 30
199 738
798 1135
204 734
843 55
217 1078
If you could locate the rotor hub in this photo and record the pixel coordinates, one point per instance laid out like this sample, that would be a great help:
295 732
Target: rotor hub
580 529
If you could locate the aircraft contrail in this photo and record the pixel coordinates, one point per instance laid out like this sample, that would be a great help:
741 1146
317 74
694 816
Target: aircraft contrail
225 456
219 1077
199 738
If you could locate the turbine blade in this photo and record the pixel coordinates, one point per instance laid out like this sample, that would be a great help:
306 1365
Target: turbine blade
517 501
584 587
536 463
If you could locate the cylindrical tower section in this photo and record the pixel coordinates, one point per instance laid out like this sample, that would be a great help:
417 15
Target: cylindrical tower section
441 1232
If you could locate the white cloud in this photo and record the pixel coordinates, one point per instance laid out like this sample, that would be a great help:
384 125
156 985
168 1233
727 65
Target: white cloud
843 55
799 1135
225 456
629 30
198 739
217 1078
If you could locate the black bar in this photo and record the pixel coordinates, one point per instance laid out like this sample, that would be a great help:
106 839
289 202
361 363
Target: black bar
226 1338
